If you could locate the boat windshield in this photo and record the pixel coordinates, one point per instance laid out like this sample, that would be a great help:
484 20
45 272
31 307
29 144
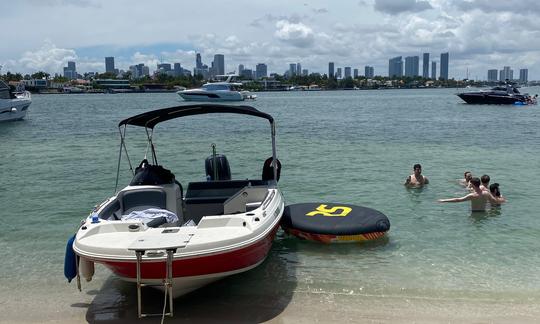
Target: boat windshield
4 90
214 87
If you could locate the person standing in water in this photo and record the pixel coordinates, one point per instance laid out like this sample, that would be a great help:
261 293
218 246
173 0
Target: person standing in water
478 197
416 179
466 181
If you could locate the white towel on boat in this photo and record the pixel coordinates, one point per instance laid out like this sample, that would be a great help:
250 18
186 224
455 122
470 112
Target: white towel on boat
149 214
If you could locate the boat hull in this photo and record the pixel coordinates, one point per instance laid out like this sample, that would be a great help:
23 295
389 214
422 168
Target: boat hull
15 109
194 272
485 99
189 95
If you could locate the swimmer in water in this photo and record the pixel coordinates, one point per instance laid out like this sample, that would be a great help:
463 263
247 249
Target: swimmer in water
416 179
478 197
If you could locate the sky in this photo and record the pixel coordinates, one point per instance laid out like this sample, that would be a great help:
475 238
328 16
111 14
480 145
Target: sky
42 35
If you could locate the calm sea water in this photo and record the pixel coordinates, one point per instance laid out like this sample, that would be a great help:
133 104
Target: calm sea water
345 146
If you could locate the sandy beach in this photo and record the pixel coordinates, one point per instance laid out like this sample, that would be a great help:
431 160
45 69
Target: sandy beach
114 301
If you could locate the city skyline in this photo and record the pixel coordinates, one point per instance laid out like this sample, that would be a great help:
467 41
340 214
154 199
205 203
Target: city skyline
355 34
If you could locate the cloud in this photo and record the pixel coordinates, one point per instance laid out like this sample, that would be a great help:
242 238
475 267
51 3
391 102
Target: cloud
394 7
296 34
48 58
522 7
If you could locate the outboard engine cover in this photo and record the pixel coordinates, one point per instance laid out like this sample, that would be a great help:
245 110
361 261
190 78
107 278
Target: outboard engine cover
223 169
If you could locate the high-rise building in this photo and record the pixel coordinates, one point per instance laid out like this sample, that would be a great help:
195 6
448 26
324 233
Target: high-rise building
444 66
109 64
395 67
240 69
338 74
506 74
355 73
305 72
369 72
292 69
298 69
70 71
434 70
198 61
347 72
219 64
261 71
164 66
425 66
247 74
331 72
178 71
492 75
412 66
139 70
523 75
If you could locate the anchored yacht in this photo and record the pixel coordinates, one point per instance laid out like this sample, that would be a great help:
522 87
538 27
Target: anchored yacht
218 91
13 105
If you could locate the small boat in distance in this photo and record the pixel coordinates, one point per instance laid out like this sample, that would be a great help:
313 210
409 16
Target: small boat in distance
13 105
227 90
500 95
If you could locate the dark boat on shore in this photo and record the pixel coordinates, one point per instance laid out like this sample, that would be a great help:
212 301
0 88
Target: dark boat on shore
499 95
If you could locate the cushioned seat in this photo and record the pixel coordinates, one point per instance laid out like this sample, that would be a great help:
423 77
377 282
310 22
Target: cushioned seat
143 199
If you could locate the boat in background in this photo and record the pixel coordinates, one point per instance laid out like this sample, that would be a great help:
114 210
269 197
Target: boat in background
227 90
13 105
151 233
500 95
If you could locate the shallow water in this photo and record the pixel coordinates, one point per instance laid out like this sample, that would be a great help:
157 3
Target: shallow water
345 146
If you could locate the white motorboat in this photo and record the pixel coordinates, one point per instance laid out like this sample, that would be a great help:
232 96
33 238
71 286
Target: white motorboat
13 105
151 233
218 91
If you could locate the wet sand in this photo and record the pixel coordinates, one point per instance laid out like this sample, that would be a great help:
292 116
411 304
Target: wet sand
229 301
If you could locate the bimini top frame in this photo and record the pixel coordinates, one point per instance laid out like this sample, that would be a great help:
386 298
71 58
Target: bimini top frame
150 119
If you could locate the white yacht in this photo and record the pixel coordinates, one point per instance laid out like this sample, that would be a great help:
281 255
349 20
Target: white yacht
13 105
218 91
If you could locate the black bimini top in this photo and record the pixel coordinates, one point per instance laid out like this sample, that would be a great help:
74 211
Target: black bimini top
152 118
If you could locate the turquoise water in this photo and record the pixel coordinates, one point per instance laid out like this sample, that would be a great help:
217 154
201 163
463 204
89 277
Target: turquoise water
344 146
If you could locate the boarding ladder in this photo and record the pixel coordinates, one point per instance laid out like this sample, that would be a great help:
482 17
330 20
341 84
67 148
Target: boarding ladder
156 244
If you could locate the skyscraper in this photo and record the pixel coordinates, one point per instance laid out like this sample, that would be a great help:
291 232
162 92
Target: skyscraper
331 72
412 66
395 67
240 69
425 66
506 74
292 69
338 74
444 66
492 75
261 71
298 69
347 72
523 75
219 64
434 70
109 64
355 73
198 61
70 72
368 71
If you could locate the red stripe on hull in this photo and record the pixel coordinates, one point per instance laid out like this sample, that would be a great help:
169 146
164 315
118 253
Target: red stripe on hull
203 265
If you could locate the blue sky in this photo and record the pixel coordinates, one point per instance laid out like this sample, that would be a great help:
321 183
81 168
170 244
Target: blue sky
478 34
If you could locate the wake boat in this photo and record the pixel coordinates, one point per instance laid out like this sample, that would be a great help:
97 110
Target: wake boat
13 105
153 234
218 91
500 95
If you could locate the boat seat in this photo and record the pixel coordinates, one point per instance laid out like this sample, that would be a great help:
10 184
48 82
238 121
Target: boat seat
136 200
208 197
112 211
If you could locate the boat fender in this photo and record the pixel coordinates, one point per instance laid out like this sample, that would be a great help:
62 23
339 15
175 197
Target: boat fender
70 261
86 268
